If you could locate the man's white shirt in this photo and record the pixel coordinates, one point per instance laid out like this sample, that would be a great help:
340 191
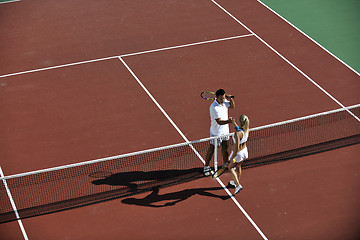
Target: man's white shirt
219 111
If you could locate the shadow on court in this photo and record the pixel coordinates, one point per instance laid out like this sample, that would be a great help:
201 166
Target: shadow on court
139 180
170 199
91 192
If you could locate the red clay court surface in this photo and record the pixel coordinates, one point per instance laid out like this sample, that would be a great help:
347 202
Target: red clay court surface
69 92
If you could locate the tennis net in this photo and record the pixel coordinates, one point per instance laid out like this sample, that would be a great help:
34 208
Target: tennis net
55 189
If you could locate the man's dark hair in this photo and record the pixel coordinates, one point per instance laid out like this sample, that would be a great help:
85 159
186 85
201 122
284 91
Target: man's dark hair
220 92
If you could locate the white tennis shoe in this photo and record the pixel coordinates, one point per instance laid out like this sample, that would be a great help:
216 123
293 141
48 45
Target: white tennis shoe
232 183
207 170
238 189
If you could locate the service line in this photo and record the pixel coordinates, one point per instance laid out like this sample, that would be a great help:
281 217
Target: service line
126 55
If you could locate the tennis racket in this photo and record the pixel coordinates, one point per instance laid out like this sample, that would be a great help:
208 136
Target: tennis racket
221 170
209 95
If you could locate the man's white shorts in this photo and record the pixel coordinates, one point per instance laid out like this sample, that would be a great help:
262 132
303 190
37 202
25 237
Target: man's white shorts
219 140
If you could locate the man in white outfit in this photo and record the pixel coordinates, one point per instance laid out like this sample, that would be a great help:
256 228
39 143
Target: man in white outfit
219 126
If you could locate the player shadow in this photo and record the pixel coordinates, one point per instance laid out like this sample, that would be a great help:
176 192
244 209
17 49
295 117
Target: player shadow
139 180
154 199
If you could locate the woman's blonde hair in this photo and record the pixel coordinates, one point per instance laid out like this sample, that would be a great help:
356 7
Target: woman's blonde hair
245 122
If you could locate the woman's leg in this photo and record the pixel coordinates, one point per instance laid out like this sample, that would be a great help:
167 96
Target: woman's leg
233 172
238 171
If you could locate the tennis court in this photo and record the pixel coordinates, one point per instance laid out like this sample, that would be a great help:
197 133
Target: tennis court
84 80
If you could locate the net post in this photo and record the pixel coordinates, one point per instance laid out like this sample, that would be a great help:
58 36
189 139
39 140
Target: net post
215 154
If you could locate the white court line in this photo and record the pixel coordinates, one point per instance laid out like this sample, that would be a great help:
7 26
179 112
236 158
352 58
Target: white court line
125 55
241 209
58 66
153 99
286 60
14 206
186 45
10 1
333 55
184 137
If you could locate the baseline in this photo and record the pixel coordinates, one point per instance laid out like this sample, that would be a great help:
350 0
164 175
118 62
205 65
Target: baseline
9 1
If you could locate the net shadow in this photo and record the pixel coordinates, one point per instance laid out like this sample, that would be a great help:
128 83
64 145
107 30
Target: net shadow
124 184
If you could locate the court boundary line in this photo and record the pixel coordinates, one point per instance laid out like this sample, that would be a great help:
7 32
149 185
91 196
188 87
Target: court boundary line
285 59
12 202
306 35
11 1
125 55
185 138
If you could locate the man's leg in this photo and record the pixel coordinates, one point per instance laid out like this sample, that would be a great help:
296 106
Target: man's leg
209 154
224 151
208 157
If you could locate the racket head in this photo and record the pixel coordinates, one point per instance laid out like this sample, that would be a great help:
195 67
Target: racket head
221 170
208 95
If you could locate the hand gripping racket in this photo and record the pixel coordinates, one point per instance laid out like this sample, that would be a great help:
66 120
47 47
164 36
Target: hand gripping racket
221 170
210 95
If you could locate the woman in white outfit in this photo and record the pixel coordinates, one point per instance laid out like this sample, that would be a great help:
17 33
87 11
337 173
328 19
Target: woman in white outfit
240 151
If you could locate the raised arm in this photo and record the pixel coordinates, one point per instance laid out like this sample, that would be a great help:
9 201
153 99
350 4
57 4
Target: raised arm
231 100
